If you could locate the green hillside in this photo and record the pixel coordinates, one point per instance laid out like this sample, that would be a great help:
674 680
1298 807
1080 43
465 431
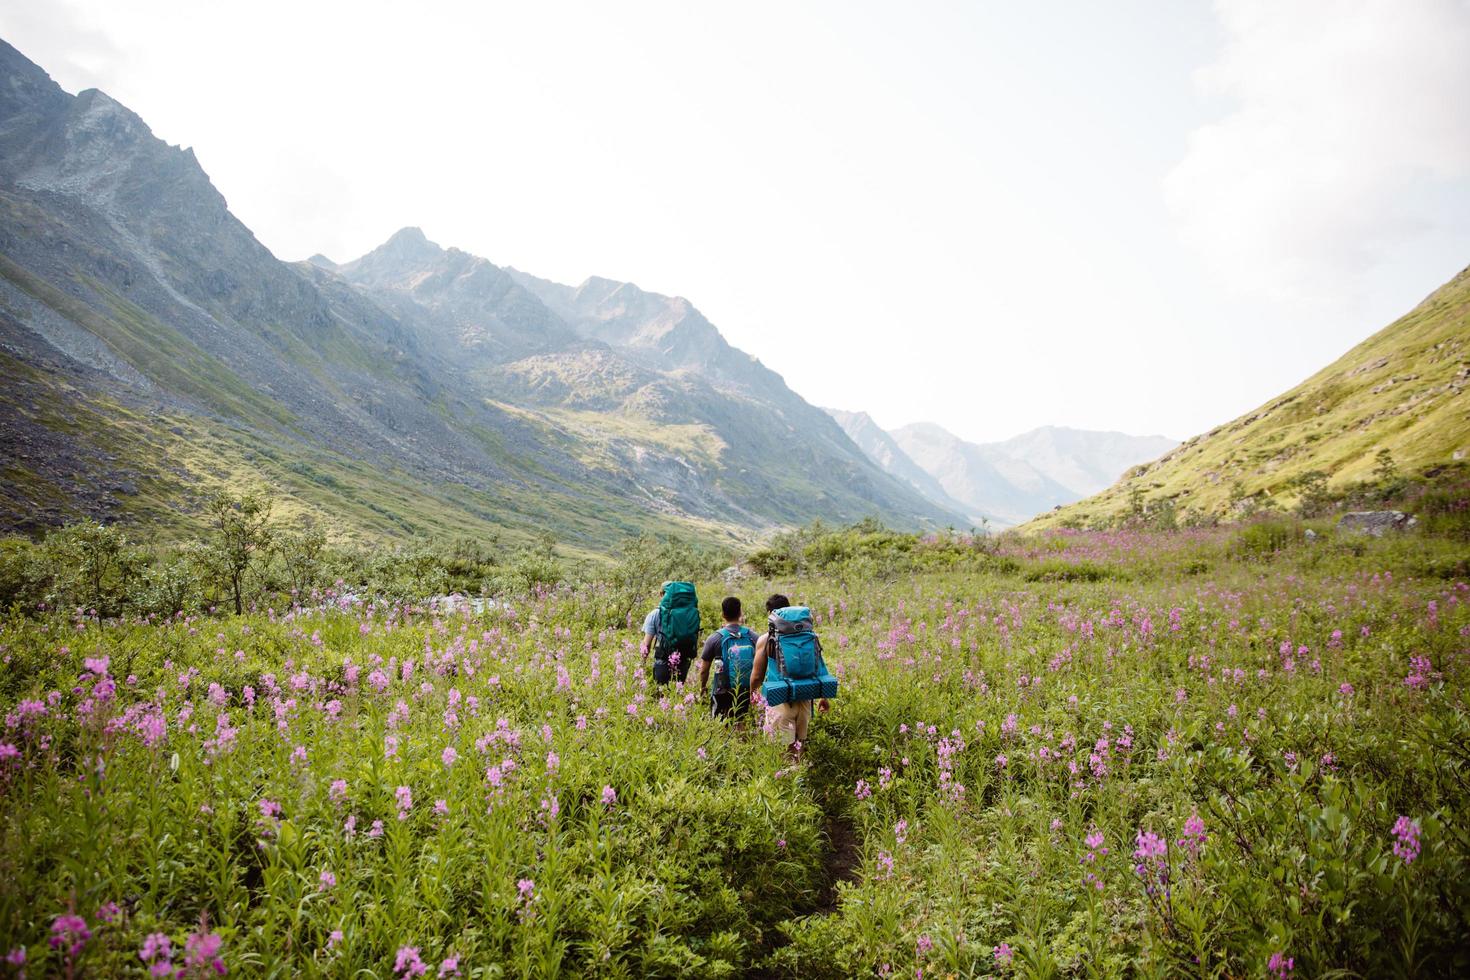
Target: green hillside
1403 390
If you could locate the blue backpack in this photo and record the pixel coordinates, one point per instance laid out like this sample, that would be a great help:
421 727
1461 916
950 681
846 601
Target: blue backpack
795 656
737 650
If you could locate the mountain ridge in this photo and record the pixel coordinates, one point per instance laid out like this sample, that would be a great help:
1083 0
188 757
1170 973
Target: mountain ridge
1001 483
155 349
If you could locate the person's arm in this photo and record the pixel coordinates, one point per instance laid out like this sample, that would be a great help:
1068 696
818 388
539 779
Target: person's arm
711 650
758 665
647 642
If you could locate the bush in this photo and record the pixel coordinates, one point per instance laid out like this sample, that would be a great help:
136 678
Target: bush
1264 539
1068 571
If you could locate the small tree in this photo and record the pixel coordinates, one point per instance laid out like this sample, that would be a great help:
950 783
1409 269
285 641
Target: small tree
243 537
1137 507
1385 470
1315 498
301 559
95 565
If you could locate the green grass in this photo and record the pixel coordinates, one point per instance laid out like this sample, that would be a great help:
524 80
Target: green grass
997 723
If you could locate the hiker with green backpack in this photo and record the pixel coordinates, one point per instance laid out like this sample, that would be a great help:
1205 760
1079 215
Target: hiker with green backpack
790 673
731 651
671 632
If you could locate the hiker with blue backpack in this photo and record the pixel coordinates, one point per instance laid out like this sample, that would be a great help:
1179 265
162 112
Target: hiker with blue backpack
731 651
790 672
671 632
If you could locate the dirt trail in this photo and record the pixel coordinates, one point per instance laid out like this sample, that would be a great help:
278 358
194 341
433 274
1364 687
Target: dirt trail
844 855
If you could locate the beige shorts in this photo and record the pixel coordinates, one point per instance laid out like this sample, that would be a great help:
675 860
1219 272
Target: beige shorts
787 723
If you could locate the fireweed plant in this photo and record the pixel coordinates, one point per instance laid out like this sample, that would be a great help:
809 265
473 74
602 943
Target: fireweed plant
1226 768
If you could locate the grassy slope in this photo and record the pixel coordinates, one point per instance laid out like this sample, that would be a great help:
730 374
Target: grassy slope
174 459
1402 389
182 457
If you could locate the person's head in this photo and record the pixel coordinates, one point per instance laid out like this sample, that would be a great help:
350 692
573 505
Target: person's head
777 601
730 609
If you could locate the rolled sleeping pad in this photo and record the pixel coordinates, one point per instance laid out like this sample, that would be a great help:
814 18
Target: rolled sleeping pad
780 690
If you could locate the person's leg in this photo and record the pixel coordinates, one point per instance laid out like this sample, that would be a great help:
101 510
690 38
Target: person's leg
780 724
721 703
686 658
800 725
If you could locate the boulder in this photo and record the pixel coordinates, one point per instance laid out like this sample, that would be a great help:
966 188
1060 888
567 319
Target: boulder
1376 522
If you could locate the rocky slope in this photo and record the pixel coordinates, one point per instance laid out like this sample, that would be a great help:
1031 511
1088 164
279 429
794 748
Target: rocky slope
153 349
1403 390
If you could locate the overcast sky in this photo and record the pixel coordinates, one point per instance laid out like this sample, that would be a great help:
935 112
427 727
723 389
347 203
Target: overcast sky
1143 215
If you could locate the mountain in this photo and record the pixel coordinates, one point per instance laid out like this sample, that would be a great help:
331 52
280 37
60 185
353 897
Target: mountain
1002 483
884 450
153 350
1081 460
1009 489
1403 390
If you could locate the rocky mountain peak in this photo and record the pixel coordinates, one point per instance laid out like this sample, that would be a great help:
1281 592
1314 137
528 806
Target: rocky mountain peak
27 93
408 246
406 256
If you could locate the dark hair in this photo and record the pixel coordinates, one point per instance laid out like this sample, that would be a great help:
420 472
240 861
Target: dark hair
777 601
730 608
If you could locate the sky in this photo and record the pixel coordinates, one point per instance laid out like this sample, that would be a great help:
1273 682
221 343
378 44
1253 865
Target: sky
1147 216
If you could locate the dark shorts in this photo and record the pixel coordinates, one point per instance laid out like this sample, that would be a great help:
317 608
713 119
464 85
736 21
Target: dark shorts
664 670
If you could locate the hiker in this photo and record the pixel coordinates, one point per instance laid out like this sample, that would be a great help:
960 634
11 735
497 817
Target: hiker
731 649
671 632
797 676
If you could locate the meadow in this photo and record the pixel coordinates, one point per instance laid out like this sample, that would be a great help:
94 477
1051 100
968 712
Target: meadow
1221 752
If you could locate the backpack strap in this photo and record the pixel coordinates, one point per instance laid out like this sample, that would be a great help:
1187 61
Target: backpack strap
659 653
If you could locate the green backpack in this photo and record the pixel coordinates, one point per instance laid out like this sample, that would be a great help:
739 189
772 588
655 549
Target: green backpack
678 618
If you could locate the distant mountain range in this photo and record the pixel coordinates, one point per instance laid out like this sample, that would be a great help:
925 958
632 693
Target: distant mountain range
1402 390
1002 483
152 350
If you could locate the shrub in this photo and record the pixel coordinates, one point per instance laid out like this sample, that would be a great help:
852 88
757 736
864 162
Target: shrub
1261 540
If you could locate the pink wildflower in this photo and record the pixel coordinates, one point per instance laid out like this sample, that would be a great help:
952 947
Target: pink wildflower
202 950
404 795
69 933
1406 843
408 963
